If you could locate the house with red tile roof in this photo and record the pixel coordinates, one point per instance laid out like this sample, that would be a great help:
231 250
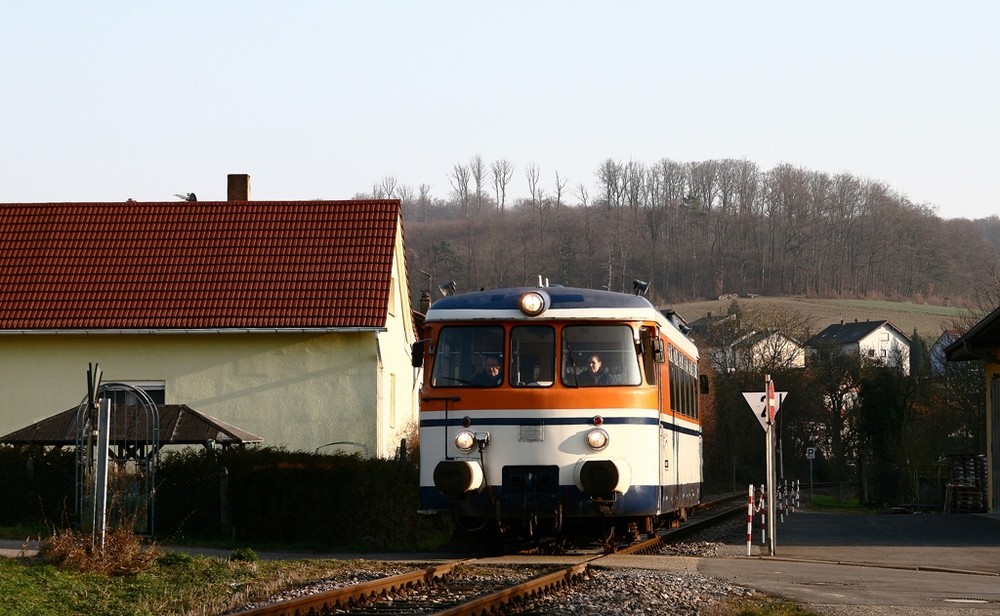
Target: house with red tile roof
289 319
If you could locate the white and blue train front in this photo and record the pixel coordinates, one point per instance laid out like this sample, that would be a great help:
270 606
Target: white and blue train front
557 406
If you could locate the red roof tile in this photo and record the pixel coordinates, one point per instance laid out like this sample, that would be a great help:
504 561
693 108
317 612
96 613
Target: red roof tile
196 265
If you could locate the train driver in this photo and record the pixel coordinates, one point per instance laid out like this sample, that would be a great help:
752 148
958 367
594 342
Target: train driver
491 375
596 373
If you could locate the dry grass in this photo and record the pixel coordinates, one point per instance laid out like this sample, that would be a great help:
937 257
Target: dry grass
123 552
928 320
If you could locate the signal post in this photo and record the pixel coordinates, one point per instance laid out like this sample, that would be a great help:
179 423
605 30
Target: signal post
765 406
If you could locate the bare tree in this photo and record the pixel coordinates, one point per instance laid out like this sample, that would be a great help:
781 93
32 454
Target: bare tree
385 188
477 169
560 188
424 200
502 172
459 179
583 195
406 195
532 173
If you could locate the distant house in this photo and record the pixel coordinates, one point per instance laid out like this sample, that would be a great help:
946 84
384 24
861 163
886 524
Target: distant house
876 341
982 343
938 360
289 319
732 349
714 333
714 326
770 350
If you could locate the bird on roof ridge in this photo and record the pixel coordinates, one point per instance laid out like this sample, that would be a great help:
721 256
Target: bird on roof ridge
187 197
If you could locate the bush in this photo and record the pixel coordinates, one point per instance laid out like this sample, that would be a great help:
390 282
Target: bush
123 552
36 485
246 555
258 495
270 495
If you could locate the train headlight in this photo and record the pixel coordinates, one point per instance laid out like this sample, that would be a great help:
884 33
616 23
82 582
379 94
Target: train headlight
532 303
597 439
465 441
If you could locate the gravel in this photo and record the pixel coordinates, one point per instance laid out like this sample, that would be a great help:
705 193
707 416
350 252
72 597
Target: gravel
615 592
608 591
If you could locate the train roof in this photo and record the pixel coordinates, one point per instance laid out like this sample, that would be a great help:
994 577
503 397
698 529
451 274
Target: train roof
561 303
560 298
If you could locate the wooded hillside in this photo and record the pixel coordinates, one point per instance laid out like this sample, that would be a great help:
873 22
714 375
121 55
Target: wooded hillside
694 231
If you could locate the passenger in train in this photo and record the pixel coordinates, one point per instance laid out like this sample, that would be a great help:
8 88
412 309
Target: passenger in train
596 373
491 375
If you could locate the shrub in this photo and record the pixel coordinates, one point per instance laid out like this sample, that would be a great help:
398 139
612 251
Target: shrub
123 552
246 555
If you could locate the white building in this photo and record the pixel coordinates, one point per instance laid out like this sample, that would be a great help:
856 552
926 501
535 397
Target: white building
874 341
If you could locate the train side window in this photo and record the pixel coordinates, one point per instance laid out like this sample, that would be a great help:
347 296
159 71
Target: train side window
462 352
683 384
651 345
532 356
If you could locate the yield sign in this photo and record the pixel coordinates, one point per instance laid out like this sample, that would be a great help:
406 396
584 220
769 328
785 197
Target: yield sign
758 401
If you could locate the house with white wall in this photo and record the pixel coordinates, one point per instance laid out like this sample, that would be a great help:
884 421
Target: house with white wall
871 341
289 319
771 350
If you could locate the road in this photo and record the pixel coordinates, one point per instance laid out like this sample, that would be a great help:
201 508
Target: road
848 564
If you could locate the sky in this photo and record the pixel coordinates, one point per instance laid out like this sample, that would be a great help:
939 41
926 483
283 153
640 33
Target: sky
104 101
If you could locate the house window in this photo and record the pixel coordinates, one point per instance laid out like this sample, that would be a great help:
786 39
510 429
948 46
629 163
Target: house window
156 390
391 308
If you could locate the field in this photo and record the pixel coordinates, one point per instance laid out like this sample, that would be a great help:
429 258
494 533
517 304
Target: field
929 321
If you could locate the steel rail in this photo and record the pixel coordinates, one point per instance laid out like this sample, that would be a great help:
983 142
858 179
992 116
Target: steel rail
548 582
487 604
350 595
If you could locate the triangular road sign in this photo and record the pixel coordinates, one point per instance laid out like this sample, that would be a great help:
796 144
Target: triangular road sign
758 404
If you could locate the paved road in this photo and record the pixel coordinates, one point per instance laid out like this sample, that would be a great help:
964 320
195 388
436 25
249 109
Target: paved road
845 564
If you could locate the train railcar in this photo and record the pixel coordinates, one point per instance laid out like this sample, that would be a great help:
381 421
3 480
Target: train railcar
521 433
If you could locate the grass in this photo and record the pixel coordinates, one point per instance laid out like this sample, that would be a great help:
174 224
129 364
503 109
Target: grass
825 502
929 320
759 606
70 577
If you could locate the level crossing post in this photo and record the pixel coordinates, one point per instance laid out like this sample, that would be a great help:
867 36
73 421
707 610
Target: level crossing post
769 446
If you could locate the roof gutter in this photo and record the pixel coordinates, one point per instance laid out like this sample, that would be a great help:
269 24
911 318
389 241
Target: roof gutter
220 330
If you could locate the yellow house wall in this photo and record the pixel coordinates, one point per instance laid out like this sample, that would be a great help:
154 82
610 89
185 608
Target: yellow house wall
398 380
992 464
299 391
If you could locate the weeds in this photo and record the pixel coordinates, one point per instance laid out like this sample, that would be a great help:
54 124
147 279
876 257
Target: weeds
123 552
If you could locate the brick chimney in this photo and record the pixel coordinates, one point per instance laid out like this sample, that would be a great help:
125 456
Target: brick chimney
238 187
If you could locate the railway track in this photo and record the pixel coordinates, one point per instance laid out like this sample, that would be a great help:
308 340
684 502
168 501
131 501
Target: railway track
455 589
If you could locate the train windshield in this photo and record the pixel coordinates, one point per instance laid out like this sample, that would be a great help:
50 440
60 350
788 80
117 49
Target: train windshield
469 356
482 356
596 355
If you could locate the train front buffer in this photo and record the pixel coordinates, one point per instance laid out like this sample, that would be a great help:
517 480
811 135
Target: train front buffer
514 475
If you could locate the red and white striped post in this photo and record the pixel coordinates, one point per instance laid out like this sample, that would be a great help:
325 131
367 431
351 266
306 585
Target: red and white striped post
763 515
782 501
749 518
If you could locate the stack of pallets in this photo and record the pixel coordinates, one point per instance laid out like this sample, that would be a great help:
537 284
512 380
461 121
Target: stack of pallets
966 492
